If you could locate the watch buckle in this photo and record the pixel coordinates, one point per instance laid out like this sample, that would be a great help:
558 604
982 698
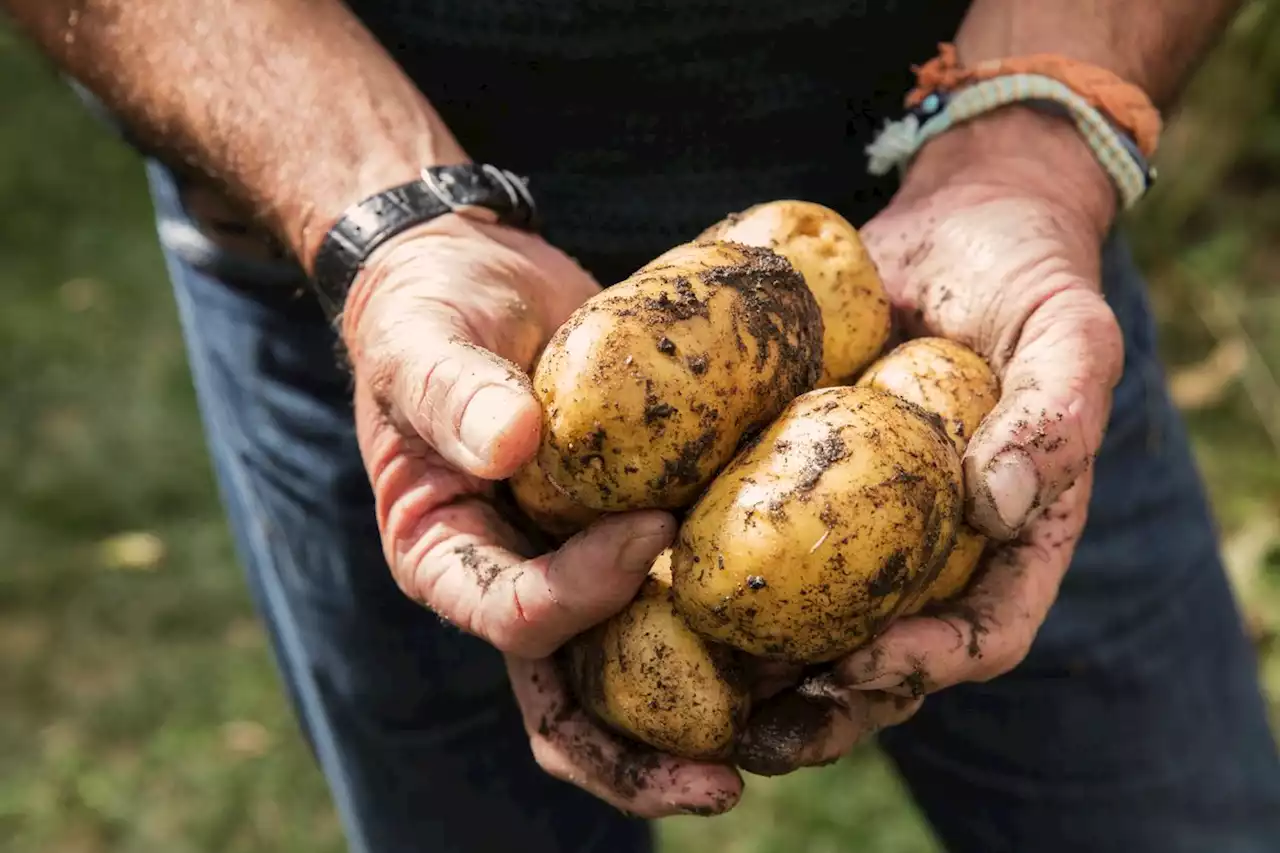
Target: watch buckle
514 187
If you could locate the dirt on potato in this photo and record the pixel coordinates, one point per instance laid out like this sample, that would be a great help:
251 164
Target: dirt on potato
822 530
651 386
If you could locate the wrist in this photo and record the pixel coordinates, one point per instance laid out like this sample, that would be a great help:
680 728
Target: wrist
307 222
483 193
1019 150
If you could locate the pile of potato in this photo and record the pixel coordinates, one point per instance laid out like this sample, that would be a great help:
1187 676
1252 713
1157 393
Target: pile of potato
741 382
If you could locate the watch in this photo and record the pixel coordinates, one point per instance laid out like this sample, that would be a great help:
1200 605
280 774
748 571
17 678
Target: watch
476 190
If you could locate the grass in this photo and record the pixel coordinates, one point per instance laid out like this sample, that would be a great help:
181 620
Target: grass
142 712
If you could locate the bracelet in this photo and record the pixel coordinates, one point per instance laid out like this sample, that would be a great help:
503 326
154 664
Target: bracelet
937 112
1125 104
1116 118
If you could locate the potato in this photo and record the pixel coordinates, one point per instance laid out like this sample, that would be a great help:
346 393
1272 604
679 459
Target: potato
828 252
955 383
823 529
956 571
645 674
940 376
649 387
546 506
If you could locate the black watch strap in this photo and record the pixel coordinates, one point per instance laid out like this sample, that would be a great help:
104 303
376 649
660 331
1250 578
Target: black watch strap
477 190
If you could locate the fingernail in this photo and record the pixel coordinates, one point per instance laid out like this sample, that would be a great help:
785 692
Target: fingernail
488 418
1004 494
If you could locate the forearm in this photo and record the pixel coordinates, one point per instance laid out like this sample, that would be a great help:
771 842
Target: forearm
290 105
1154 44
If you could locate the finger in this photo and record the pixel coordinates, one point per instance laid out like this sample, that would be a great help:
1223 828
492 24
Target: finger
987 632
451 551
815 725
453 564
1048 425
631 777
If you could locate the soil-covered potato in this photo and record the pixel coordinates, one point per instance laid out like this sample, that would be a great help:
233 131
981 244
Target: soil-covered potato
645 674
956 571
823 529
940 376
956 384
546 506
648 389
828 252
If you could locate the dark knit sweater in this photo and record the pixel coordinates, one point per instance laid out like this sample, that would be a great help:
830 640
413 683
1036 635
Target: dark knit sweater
640 123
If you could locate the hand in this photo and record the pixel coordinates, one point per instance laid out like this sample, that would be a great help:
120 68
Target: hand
993 241
442 328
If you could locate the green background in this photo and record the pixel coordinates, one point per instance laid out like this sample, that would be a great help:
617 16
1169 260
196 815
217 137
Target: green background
139 710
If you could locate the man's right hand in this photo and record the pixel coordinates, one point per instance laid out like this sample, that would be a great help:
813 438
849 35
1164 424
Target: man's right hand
442 328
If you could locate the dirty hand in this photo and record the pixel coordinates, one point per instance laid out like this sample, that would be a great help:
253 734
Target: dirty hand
994 241
441 329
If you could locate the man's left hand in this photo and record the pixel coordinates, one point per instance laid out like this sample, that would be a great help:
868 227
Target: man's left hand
993 241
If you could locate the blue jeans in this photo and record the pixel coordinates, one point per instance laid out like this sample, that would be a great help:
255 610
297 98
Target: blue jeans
1136 725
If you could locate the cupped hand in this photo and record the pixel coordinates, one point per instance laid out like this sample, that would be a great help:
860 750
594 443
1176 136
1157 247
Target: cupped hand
441 329
993 241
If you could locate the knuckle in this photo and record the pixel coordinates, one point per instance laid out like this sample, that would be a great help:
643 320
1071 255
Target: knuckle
508 639
510 635
421 390
422 587
418 577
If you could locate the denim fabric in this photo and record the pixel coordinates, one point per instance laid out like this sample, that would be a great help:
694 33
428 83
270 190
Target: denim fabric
1136 725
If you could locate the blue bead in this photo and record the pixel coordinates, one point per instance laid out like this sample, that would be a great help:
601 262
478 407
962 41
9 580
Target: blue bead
931 104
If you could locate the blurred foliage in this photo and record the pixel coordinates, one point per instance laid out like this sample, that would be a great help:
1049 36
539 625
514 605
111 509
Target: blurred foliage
141 711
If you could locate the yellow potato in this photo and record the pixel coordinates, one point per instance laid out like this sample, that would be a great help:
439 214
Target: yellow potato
956 384
546 506
645 674
956 572
828 252
823 529
648 389
940 376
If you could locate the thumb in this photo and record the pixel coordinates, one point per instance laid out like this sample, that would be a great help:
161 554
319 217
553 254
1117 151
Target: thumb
433 380
444 327
1053 410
